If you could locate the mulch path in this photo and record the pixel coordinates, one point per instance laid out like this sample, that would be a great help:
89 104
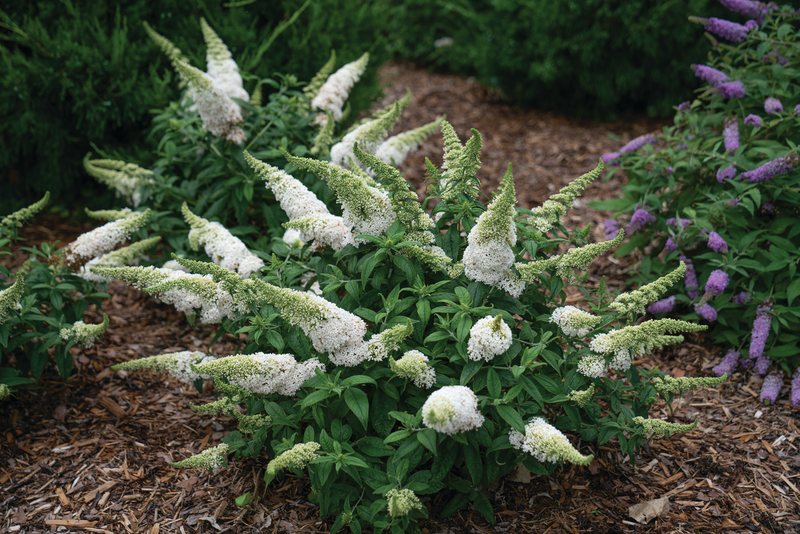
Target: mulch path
92 454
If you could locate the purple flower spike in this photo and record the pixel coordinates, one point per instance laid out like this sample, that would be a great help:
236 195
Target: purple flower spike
707 312
724 28
724 174
690 278
774 57
796 388
762 365
710 74
671 245
741 298
728 363
772 168
662 306
748 8
639 219
716 284
684 106
751 25
732 90
773 106
797 109
716 243
611 228
771 387
732 203
730 133
754 120
610 157
678 223
760 333
637 143
768 208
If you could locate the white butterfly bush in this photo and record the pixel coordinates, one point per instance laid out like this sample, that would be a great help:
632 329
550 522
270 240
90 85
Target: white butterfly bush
103 239
336 89
452 410
262 373
178 364
220 64
489 337
573 321
546 443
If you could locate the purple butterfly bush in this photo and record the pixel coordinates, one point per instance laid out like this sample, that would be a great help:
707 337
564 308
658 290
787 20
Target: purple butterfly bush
610 158
777 166
797 109
796 388
748 8
611 228
684 106
671 245
773 106
732 203
771 387
753 120
707 312
716 284
726 173
728 363
774 57
678 223
730 133
716 243
768 208
751 25
741 298
710 74
637 143
732 90
662 306
724 28
640 218
759 335
690 278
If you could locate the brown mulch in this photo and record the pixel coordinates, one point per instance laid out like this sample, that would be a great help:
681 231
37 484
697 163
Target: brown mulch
92 454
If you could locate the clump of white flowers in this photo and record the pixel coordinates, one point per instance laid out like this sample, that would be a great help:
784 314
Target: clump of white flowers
663 428
401 502
381 345
548 214
220 64
225 249
221 116
395 149
414 366
367 136
546 443
573 321
565 264
307 214
211 458
682 384
489 337
10 297
336 89
103 239
84 334
452 410
117 258
592 366
177 364
489 257
634 302
295 458
127 179
263 373
582 397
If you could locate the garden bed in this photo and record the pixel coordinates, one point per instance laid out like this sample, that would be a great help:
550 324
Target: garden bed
92 455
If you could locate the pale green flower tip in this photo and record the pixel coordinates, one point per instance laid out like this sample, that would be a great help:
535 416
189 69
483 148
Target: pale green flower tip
10 297
208 459
4 391
16 219
456 270
295 458
401 502
663 428
685 383
582 397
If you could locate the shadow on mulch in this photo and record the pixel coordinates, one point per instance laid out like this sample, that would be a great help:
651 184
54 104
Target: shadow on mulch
92 454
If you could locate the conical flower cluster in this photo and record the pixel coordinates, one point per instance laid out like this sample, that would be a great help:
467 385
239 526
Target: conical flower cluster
295 458
663 428
127 179
177 364
401 502
103 239
565 264
368 136
84 334
685 383
395 149
118 258
18 218
414 366
221 115
262 373
634 302
312 89
573 321
452 410
225 249
461 162
212 458
10 297
489 337
220 64
380 346
489 257
548 214
546 443
336 89
307 214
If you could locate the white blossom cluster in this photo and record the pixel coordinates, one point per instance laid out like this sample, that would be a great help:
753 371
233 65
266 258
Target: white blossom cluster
126 179
546 443
367 136
177 364
220 64
295 458
84 334
211 458
489 337
414 366
225 249
451 410
397 148
263 373
118 258
307 214
103 239
293 237
592 366
173 265
573 321
336 89
400 502
10 297
381 345
372 221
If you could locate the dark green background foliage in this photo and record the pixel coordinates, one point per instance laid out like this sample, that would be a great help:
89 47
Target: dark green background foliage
75 72
590 58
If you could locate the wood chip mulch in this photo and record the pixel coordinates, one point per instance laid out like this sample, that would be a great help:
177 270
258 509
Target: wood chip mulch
92 454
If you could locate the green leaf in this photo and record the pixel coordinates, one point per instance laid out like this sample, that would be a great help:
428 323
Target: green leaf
511 416
375 447
428 438
357 379
793 291
315 397
382 404
472 459
483 505
459 502
548 383
493 384
358 402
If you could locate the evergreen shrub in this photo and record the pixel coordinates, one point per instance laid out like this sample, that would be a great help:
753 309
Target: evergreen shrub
719 191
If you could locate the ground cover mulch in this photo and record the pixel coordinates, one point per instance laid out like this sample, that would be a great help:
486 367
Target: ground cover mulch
92 454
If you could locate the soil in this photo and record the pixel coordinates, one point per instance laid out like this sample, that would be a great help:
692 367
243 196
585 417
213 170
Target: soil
92 454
